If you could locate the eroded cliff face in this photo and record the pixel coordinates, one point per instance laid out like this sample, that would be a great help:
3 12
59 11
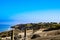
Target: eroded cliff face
48 35
48 38
37 35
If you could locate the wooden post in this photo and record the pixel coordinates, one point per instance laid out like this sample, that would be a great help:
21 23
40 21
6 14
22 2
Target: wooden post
12 35
0 38
25 33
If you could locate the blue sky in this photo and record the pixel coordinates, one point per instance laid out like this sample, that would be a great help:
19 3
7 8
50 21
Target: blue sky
14 12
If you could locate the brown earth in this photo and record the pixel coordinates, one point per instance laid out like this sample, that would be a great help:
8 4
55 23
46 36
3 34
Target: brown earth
48 38
49 35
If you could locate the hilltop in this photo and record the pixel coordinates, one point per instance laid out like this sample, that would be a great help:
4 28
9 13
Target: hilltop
34 31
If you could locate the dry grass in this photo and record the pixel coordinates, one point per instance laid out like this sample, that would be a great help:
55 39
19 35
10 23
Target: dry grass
48 38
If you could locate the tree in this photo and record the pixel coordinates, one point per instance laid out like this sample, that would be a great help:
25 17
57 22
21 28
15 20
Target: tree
35 27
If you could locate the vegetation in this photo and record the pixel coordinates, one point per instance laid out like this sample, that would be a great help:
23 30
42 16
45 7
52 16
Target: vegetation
34 27
35 36
37 26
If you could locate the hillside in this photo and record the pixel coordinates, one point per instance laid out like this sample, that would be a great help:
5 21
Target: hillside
49 35
35 31
48 38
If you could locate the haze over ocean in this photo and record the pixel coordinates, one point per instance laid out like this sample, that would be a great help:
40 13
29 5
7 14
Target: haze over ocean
28 11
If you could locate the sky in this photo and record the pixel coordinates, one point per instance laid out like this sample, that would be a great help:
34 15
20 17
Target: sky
14 12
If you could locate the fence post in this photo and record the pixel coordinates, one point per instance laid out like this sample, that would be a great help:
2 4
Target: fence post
12 35
0 38
25 33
